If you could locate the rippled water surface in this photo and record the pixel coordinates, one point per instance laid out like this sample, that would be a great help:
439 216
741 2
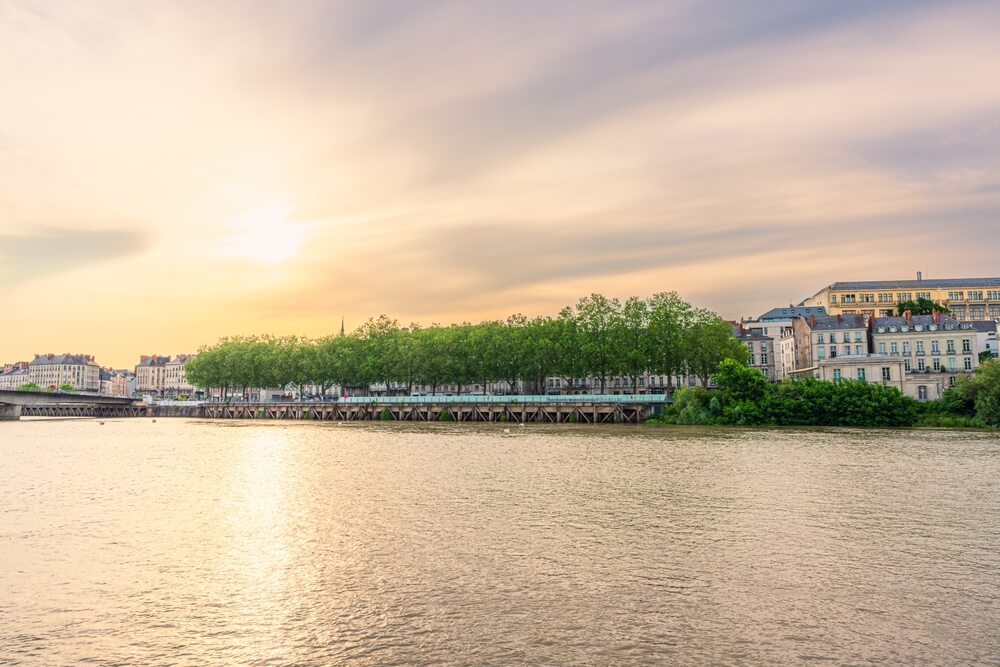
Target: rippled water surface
229 543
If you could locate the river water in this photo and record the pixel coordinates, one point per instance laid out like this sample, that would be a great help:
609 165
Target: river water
186 542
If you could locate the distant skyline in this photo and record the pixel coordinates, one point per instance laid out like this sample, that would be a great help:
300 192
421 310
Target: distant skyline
175 172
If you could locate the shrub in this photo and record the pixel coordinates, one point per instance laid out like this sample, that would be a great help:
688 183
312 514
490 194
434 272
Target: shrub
385 415
445 416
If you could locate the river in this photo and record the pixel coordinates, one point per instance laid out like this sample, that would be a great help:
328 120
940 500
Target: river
141 542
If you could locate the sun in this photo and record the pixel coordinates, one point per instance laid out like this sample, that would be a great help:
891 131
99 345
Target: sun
264 234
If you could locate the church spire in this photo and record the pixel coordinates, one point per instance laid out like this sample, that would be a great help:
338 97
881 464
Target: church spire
341 325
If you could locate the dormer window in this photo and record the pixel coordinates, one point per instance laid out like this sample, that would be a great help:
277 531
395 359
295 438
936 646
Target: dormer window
904 328
881 329
919 327
893 329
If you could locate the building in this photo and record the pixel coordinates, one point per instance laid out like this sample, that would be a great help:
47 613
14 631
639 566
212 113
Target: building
761 350
966 298
122 383
881 368
14 375
150 374
777 324
935 349
821 337
54 370
175 382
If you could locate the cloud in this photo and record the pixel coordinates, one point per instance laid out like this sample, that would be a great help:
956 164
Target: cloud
50 251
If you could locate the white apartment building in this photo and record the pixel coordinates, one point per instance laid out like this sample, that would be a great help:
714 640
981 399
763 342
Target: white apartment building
53 370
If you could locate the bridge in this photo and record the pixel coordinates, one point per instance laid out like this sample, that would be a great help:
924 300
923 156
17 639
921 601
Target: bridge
575 409
15 404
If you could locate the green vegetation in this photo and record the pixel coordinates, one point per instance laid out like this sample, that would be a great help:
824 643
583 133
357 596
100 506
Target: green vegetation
385 415
28 386
66 386
598 337
445 416
745 398
974 401
921 306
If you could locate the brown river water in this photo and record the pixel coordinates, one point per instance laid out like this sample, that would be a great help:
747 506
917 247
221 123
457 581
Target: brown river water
187 542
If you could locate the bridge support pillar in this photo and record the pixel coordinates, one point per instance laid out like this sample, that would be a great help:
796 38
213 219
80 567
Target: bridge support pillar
9 412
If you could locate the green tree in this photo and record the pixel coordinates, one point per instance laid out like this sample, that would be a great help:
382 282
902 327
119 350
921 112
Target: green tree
598 321
738 382
669 317
921 306
709 340
28 386
630 340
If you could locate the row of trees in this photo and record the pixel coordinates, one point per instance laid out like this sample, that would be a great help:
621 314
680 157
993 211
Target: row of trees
599 337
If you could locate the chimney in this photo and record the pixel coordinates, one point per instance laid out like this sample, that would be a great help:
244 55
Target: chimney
937 317
840 317
908 316
812 321
920 276
143 358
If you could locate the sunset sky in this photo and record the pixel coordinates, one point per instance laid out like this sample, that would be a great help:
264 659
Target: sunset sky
174 172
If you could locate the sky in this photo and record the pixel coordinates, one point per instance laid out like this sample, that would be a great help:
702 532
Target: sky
173 172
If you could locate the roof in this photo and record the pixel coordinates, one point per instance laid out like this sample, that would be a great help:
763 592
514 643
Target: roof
830 322
915 284
60 359
751 335
924 322
15 371
154 361
791 312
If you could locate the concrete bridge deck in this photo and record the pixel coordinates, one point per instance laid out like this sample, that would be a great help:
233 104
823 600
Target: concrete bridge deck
13 404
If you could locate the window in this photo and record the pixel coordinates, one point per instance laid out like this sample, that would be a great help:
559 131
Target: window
837 375
951 381
750 362
921 366
956 296
861 374
952 365
936 365
886 374
951 347
833 351
922 392
906 349
833 338
894 347
750 347
968 363
885 297
833 298
904 296
966 346
881 348
920 347
993 295
975 296
847 337
617 382
866 298
923 295
935 347
849 298
822 352
642 382
763 358
977 312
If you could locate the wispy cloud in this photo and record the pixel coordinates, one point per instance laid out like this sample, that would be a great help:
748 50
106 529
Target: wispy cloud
51 251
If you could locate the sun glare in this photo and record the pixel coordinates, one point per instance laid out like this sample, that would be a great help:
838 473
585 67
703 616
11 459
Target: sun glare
265 235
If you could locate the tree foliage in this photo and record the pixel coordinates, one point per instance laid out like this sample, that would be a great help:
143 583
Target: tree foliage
921 306
597 338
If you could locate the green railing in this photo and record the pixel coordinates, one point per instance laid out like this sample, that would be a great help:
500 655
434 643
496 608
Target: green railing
505 400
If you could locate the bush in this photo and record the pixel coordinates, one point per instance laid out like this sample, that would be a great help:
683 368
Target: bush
445 416
385 415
